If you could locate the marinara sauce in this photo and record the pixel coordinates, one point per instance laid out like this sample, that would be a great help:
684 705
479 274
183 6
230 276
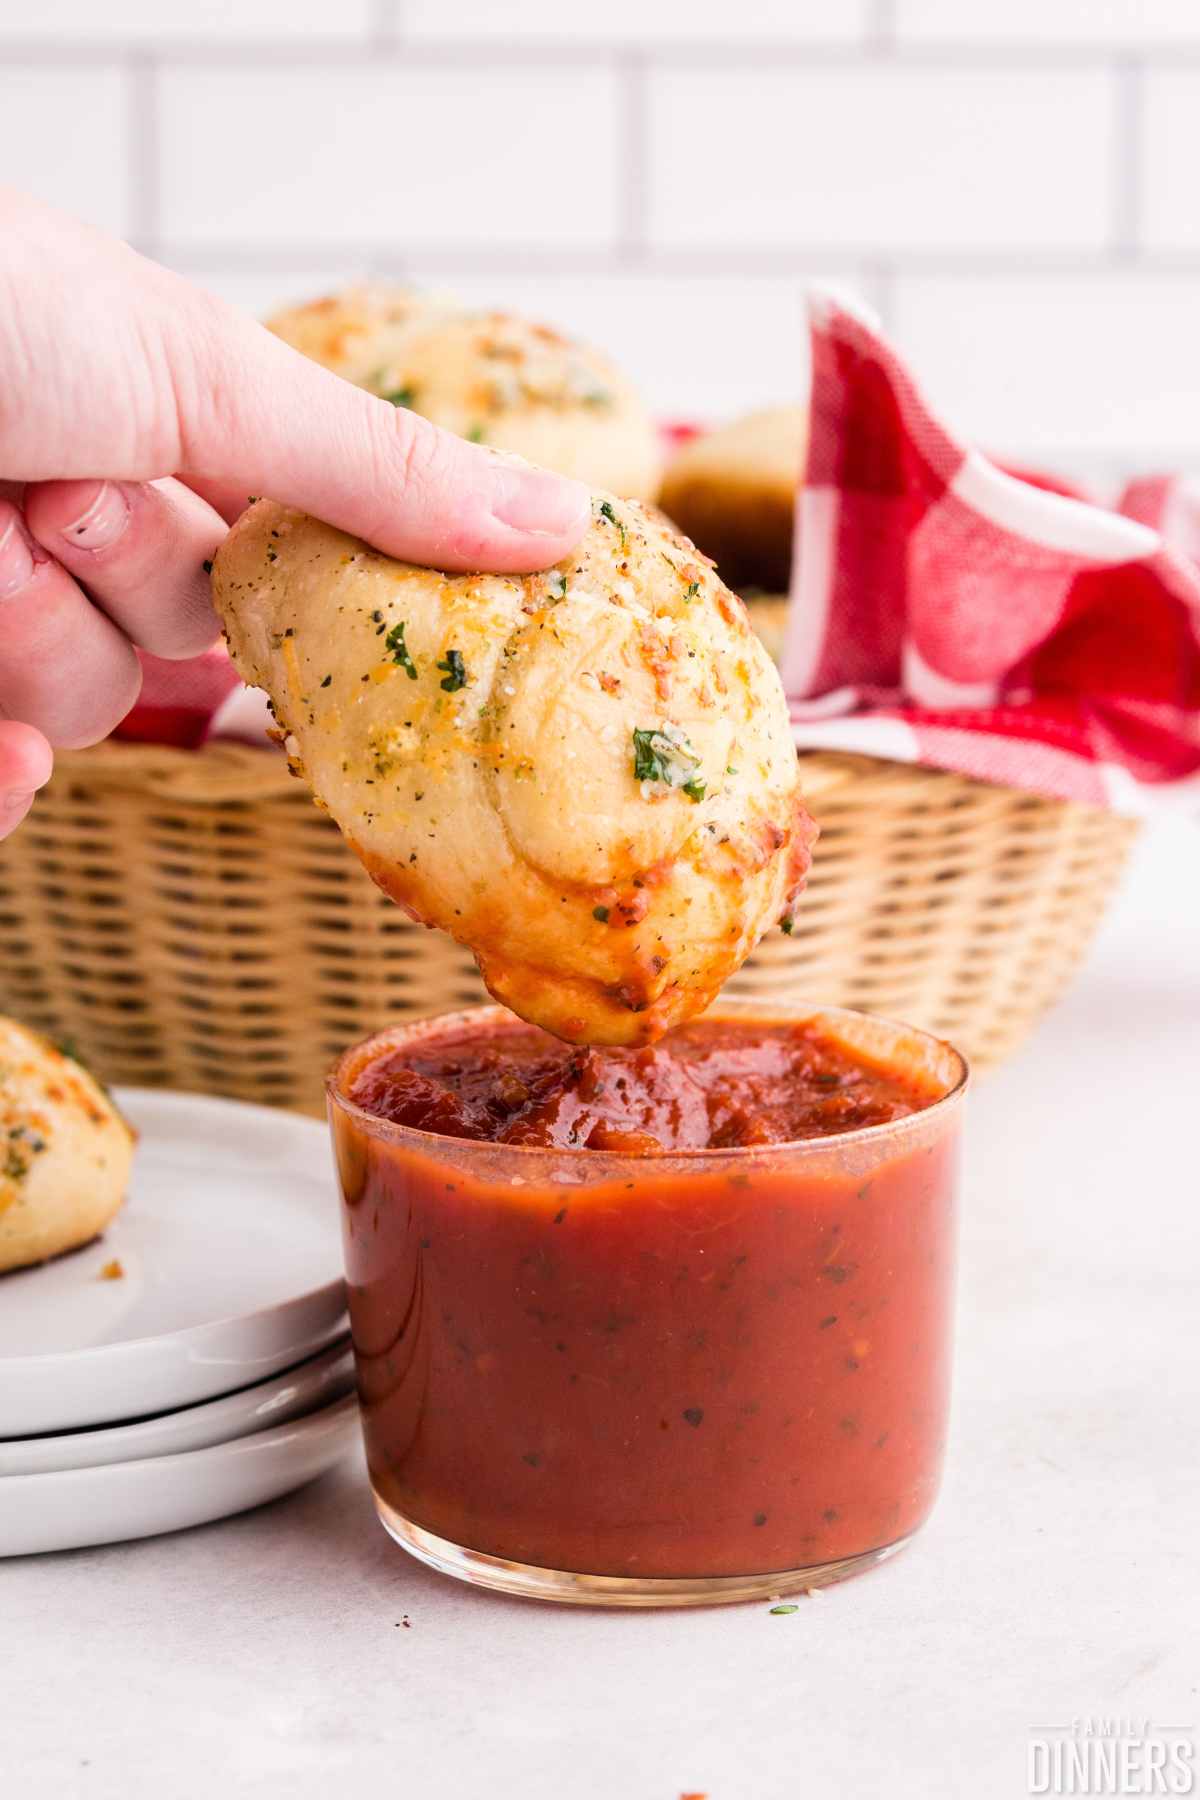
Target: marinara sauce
666 1314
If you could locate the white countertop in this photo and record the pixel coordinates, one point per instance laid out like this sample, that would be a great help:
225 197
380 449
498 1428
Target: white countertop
1057 1580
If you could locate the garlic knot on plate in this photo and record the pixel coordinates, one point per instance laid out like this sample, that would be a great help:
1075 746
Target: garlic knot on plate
65 1151
587 775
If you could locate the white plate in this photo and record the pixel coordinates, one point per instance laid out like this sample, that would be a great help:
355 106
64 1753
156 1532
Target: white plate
298 1391
231 1256
74 1507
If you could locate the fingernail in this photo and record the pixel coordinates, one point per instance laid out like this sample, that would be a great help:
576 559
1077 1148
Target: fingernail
542 504
11 803
16 560
103 521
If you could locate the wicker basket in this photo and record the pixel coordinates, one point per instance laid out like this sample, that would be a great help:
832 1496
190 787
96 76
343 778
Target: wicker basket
191 919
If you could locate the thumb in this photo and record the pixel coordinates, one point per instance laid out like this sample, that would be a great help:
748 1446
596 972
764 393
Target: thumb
25 759
253 411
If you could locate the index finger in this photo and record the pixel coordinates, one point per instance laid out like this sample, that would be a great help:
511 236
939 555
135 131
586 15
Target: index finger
25 763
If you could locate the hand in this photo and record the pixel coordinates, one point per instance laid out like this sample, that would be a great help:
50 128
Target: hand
137 415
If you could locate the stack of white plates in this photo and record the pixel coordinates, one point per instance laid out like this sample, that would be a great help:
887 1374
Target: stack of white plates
195 1361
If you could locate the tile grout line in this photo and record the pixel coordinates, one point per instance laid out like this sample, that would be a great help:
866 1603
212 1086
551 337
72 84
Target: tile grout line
145 200
387 43
754 262
881 25
384 24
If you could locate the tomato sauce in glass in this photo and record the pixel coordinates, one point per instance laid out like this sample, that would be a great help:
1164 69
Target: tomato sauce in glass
663 1313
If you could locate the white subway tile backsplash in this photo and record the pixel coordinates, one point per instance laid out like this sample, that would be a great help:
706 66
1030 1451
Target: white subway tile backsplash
638 21
69 22
1013 180
1170 196
389 156
883 158
1059 365
1132 24
65 136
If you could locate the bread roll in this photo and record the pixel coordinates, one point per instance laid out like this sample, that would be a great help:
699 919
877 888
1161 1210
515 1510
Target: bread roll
358 332
490 377
65 1151
734 492
768 613
587 775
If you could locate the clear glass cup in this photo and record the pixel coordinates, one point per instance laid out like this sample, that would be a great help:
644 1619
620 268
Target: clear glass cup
654 1380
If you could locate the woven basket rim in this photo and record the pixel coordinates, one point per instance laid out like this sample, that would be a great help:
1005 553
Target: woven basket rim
224 771
175 912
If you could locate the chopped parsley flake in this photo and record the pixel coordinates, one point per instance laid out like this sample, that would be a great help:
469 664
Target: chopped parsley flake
398 651
693 588
787 925
600 913
606 512
785 1609
664 754
556 584
456 672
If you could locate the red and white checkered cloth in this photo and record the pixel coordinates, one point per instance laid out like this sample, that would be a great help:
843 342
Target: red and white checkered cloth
944 611
949 613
